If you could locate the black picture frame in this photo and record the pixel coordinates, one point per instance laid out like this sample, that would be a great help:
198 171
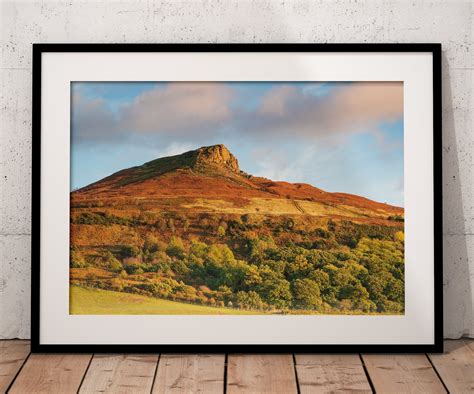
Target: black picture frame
38 347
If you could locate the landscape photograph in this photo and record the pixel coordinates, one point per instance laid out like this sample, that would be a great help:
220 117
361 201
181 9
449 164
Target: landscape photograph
237 198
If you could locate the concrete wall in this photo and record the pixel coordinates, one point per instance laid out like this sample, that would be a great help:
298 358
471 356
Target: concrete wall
23 23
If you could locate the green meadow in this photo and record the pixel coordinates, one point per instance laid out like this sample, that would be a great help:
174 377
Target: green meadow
87 301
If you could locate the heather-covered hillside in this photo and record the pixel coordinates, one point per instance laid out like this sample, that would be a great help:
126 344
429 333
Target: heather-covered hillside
194 228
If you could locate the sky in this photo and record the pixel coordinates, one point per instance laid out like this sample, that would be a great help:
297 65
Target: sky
337 136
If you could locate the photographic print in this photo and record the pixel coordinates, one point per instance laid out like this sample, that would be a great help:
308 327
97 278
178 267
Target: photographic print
237 198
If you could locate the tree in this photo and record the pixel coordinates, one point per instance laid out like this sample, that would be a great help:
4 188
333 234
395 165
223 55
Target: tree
171 225
249 300
300 268
198 249
186 224
117 284
151 243
257 246
164 288
306 294
252 276
399 236
130 251
77 259
320 258
219 255
134 269
276 292
224 293
321 278
395 290
175 247
110 262
220 231
114 265
179 267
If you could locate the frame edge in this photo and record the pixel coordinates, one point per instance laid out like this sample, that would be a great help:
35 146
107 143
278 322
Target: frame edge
39 48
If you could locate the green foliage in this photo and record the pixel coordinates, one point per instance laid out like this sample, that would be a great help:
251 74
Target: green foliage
306 294
175 247
274 264
103 218
148 218
274 289
130 251
219 255
249 300
396 218
77 260
257 247
399 236
113 264
134 269
198 249
151 244
220 231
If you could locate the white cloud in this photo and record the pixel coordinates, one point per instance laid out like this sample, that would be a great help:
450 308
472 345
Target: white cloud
276 164
185 111
176 148
172 111
348 108
92 120
179 108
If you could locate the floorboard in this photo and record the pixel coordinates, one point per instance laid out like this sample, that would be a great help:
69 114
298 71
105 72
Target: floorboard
120 373
327 373
456 365
51 374
190 374
12 356
261 374
402 374
23 372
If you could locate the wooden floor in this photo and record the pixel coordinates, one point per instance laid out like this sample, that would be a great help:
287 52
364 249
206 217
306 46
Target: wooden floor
22 372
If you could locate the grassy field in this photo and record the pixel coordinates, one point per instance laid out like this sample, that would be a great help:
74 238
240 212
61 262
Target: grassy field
86 301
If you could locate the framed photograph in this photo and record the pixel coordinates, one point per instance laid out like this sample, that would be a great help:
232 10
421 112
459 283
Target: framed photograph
237 197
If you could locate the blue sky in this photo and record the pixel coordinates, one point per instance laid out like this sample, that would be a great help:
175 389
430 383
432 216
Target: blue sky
345 137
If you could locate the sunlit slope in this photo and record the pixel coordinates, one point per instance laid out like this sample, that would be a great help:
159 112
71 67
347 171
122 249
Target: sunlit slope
209 180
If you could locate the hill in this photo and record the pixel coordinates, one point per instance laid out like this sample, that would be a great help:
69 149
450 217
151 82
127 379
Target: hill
209 180
194 230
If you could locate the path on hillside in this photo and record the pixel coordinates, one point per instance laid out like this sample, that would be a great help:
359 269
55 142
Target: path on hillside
298 206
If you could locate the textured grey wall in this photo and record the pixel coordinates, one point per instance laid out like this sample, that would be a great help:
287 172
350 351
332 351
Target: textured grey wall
23 23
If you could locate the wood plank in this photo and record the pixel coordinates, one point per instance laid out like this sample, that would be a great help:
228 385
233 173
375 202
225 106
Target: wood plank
402 374
456 365
261 374
120 374
13 354
51 374
190 374
324 373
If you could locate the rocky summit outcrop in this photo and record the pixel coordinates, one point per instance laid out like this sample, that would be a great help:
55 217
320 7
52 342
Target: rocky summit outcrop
217 155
